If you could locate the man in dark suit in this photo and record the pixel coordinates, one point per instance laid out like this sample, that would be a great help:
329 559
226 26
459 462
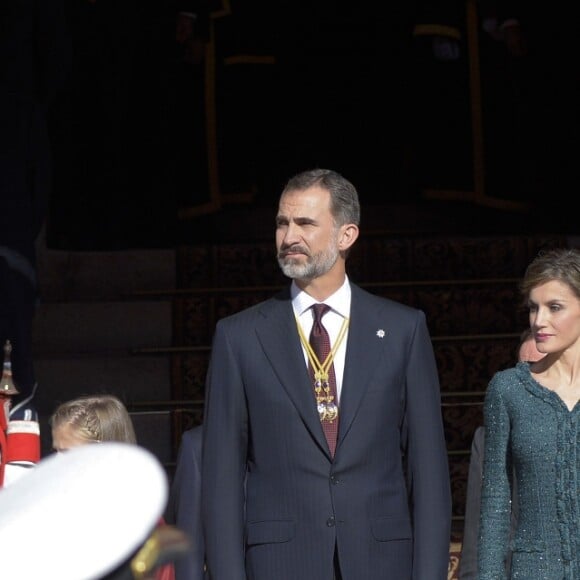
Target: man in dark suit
184 505
284 498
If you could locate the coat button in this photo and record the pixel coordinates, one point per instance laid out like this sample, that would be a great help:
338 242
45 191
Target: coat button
330 522
334 480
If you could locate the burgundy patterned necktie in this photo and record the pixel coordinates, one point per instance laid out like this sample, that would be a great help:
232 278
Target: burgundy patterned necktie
320 342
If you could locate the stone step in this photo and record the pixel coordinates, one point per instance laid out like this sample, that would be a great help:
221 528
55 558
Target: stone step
87 328
95 276
129 376
78 327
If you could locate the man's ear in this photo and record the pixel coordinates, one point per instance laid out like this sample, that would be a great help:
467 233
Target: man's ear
348 236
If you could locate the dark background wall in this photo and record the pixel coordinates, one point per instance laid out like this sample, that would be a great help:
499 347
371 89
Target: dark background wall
139 133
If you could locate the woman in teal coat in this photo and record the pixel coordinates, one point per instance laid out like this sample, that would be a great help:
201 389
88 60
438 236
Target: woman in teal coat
532 421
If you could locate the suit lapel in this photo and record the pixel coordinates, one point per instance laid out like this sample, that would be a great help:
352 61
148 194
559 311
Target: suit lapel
365 349
279 339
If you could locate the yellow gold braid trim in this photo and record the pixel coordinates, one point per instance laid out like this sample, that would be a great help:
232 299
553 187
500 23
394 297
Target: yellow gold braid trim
146 559
436 30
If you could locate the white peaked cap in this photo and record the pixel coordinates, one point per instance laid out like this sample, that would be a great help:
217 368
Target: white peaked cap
79 515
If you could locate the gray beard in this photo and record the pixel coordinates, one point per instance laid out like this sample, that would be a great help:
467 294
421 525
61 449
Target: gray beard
314 267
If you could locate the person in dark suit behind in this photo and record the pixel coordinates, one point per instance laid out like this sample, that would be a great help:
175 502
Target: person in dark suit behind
184 505
34 62
527 351
340 473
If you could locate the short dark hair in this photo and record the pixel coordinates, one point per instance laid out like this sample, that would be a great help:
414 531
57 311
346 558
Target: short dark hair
344 201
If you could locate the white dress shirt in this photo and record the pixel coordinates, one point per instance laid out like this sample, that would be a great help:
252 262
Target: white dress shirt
339 303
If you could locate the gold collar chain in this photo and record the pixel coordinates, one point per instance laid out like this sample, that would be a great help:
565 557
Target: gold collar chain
327 409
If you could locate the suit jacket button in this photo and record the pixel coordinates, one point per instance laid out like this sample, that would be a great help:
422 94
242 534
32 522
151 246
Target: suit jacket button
330 522
334 480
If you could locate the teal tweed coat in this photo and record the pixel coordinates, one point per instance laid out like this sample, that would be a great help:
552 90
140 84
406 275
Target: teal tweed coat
530 426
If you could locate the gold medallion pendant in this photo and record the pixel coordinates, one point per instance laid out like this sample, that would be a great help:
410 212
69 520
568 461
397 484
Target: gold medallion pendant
327 409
